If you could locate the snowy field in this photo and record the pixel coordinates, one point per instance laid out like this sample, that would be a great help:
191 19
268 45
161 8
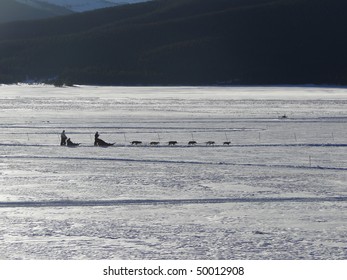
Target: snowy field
278 191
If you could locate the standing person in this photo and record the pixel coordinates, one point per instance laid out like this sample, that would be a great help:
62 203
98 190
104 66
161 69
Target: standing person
63 139
96 138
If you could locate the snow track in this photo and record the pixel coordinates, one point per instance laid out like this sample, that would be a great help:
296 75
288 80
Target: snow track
170 162
104 203
183 146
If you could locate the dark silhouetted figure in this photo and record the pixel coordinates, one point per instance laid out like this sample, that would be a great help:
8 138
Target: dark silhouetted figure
96 138
63 138
101 143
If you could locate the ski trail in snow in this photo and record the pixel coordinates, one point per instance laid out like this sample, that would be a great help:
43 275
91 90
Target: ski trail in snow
188 146
97 203
154 161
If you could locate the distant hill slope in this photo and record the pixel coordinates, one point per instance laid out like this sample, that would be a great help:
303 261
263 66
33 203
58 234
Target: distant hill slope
187 42
11 10
86 5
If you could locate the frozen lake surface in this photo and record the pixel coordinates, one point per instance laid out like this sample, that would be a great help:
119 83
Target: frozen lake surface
278 191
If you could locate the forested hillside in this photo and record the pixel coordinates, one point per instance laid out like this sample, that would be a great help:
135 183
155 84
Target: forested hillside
188 42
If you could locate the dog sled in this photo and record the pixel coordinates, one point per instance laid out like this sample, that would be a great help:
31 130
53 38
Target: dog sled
101 143
69 143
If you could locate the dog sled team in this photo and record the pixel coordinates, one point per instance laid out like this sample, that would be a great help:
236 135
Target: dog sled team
65 141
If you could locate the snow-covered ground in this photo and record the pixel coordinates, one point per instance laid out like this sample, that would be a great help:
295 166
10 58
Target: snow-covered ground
278 191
